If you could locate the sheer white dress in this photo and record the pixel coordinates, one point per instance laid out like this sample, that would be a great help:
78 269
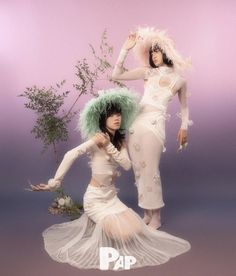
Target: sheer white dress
147 133
106 222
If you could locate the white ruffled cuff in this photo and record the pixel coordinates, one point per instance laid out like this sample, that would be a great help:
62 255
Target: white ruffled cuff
54 184
185 123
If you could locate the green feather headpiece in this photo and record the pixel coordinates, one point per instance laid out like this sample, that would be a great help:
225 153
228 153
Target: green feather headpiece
127 100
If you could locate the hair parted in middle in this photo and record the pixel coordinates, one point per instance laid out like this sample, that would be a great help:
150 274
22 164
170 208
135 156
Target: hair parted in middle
124 100
111 109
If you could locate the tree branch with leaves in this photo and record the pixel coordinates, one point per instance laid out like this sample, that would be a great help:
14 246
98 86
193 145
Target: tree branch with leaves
52 121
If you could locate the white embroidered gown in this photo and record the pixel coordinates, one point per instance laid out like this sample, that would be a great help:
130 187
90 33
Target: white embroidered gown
147 133
106 222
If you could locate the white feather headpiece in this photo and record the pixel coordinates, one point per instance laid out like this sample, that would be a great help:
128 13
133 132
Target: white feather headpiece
149 37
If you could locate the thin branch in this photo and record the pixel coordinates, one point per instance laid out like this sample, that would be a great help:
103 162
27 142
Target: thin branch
69 111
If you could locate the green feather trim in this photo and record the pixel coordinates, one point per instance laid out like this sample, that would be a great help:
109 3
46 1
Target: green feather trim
88 123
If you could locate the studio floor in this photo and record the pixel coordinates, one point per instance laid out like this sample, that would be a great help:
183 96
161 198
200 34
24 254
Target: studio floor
206 220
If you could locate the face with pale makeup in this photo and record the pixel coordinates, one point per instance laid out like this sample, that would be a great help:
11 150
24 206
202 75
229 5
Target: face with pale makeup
157 58
110 123
113 122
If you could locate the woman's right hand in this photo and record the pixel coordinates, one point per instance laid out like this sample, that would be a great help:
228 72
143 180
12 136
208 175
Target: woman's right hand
100 139
182 139
40 187
130 41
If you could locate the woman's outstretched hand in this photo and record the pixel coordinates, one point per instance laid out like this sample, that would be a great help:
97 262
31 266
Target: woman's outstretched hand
40 187
182 138
130 41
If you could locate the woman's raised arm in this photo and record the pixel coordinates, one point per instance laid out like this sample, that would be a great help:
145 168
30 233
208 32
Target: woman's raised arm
119 73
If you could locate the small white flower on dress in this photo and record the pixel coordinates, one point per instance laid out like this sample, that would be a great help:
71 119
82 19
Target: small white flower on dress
137 147
131 131
167 116
143 164
156 178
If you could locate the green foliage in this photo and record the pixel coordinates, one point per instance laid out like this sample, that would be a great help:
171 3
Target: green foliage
73 210
60 192
88 75
51 126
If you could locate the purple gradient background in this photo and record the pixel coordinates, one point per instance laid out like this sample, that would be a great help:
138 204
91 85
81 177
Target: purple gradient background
40 44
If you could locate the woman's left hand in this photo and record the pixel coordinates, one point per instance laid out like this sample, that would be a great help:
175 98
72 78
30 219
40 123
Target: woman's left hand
182 137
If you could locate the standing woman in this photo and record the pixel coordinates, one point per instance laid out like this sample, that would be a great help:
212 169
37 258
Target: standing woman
161 70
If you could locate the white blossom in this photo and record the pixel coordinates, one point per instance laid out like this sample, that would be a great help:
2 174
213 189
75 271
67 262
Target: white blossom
68 201
61 201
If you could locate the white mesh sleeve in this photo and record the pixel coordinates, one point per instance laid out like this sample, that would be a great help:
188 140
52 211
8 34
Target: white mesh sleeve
121 157
184 110
120 74
67 162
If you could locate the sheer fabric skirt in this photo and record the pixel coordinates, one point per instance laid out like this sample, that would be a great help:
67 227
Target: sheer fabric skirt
146 144
107 222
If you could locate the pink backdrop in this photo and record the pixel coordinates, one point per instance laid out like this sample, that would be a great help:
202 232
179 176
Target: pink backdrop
40 42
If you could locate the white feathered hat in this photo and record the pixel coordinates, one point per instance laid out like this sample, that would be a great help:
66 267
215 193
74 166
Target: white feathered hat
149 37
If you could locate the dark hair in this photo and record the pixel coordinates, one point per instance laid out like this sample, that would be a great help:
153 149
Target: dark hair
166 60
118 139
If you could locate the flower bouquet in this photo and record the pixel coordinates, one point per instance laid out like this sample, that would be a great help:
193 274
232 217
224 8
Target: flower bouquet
64 205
